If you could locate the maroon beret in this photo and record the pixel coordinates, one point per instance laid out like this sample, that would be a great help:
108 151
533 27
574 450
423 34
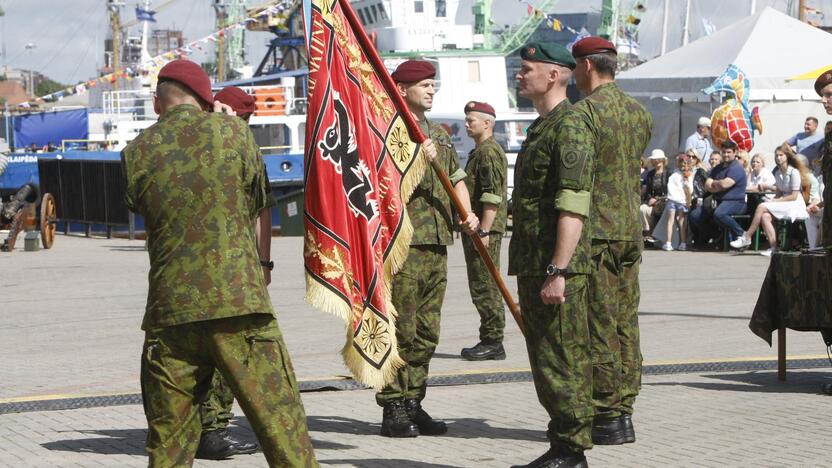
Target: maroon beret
824 79
412 71
189 74
239 100
592 45
483 107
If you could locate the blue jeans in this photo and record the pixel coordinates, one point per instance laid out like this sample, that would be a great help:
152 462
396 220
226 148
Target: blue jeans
704 222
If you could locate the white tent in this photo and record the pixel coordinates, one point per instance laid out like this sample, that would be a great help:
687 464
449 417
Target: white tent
769 47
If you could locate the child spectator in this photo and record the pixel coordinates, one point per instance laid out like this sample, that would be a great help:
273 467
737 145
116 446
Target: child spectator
679 197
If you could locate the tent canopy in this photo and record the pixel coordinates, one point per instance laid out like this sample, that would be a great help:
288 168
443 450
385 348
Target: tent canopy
770 47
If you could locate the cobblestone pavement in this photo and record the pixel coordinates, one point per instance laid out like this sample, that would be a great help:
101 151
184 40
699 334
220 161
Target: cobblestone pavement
69 321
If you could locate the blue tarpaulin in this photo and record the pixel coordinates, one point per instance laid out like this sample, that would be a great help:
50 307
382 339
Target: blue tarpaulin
50 127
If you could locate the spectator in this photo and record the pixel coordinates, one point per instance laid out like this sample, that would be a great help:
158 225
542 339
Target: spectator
743 158
809 142
788 202
655 194
643 176
700 175
828 127
726 186
700 140
714 160
679 197
760 179
815 210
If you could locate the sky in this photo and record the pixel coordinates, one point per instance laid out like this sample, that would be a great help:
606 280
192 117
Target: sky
68 35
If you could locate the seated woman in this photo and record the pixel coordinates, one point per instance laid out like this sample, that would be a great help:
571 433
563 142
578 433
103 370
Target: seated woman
760 179
815 209
655 193
788 201
679 196
700 175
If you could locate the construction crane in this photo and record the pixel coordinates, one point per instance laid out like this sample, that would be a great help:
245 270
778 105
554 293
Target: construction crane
114 9
608 27
287 50
230 44
518 37
482 21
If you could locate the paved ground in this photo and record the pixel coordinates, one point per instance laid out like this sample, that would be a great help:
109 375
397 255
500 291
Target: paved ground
69 322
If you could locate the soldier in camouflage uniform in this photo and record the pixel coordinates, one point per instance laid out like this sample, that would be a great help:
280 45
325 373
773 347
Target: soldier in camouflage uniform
419 287
549 254
215 411
486 171
198 181
613 129
823 86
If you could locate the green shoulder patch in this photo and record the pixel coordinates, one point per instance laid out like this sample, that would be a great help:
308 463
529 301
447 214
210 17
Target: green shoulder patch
572 165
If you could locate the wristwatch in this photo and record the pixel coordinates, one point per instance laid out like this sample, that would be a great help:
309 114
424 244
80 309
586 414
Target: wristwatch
267 264
482 233
552 270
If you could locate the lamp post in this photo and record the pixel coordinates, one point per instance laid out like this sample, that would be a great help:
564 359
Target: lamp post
30 47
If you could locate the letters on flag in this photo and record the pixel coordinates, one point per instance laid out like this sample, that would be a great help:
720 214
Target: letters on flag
360 165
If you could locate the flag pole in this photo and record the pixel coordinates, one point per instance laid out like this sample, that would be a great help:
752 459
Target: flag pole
416 133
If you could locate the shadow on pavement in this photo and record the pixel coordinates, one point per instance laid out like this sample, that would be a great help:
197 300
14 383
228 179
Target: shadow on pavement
386 462
466 428
447 356
113 442
674 314
127 248
760 382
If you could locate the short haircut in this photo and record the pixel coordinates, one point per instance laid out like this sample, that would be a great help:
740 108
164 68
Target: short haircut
813 119
728 144
605 63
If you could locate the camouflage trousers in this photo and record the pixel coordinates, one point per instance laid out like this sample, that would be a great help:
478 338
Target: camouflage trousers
418 292
557 340
613 323
485 294
215 409
176 371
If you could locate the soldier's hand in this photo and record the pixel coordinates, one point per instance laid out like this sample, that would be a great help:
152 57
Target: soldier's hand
553 289
267 275
470 224
430 149
223 108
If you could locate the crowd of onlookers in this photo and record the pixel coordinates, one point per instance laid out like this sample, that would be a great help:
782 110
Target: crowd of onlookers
714 198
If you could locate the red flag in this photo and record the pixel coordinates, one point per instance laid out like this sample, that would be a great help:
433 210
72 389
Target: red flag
360 164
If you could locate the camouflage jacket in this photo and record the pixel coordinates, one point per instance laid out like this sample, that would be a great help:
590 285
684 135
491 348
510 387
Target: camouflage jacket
547 180
613 129
429 207
198 180
486 180
826 168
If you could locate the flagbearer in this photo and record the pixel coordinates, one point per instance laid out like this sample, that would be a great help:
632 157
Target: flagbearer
486 182
419 287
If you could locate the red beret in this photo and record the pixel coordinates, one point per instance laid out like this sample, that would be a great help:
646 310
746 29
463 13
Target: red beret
189 74
592 45
483 107
824 79
412 71
239 100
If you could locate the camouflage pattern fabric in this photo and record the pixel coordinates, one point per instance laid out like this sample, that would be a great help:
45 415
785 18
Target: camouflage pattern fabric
613 129
795 294
487 180
176 369
826 168
613 326
485 294
557 340
198 181
541 175
418 292
215 410
429 207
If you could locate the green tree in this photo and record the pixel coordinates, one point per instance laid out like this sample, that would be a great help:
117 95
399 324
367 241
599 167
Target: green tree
47 86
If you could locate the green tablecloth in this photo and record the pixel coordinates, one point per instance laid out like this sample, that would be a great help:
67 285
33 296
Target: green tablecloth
796 294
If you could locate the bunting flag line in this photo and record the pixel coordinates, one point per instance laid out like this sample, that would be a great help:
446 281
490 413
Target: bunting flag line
361 164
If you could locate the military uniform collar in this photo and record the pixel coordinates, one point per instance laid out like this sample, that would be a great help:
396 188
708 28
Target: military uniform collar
604 86
180 109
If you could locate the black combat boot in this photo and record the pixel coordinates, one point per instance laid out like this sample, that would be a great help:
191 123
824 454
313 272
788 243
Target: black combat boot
426 424
613 431
396 423
826 388
484 351
558 459
219 445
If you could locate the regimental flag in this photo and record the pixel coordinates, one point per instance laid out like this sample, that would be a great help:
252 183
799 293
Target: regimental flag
361 163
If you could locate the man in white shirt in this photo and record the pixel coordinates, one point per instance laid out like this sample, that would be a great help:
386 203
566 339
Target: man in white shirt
700 140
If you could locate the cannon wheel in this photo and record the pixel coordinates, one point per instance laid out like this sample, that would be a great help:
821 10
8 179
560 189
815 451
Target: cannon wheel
48 220
14 229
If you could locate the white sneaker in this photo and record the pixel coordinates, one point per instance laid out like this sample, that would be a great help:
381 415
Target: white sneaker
768 252
740 242
682 247
667 246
